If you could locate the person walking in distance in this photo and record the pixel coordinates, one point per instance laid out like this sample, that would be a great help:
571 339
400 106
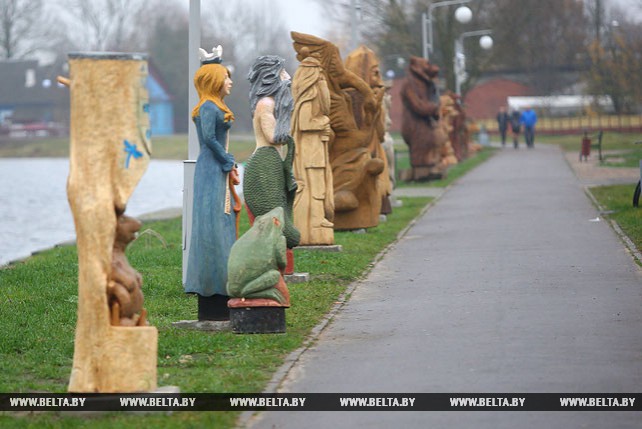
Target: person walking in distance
529 119
502 124
515 126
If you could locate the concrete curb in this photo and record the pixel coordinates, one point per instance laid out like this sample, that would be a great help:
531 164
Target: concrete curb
630 246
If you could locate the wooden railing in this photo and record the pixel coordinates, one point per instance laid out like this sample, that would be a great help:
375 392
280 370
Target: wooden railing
578 124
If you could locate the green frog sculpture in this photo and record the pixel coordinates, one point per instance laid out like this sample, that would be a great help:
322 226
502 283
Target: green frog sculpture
256 264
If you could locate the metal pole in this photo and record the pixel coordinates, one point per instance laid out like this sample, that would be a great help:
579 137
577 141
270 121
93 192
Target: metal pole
429 50
194 64
194 42
457 65
424 35
355 14
459 49
430 47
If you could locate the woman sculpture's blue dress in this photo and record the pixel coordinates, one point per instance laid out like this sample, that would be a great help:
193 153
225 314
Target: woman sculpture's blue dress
213 221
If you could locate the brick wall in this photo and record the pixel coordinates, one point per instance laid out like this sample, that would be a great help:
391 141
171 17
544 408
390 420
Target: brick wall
483 101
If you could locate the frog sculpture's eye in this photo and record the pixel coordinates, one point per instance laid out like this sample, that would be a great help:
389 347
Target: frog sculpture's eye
276 221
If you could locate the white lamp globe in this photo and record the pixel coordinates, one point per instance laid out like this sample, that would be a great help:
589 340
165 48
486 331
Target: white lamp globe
463 14
486 42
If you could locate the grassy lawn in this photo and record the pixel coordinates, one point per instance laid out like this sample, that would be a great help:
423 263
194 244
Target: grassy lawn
619 148
39 301
618 199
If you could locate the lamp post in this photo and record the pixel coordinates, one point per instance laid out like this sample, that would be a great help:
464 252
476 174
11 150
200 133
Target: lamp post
463 14
194 42
459 62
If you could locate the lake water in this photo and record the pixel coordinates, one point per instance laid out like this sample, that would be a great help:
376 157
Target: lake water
35 214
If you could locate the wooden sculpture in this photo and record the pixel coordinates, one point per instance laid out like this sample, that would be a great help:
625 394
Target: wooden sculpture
388 140
268 181
213 214
357 203
314 201
124 289
110 149
420 124
364 63
457 134
447 114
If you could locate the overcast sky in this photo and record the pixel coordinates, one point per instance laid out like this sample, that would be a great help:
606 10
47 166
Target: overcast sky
633 7
303 16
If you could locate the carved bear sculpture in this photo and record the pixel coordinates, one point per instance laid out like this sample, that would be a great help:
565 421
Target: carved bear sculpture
420 126
256 262
124 289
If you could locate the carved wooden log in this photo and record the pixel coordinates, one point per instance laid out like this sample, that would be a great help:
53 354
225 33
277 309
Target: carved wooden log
356 201
364 63
314 200
110 150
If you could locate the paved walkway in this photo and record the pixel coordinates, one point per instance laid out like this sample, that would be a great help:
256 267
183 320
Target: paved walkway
507 284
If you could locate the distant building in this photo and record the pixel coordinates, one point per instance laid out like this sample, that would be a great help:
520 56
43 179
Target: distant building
161 107
32 102
484 99
30 97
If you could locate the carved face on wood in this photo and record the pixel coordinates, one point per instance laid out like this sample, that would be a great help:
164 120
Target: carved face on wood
126 230
424 70
364 63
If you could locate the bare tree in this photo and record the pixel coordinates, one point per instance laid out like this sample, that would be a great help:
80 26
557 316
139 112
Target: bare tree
23 28
615 63
245 33
106 24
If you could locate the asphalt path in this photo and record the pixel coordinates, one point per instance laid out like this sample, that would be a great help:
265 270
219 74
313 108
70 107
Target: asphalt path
511 282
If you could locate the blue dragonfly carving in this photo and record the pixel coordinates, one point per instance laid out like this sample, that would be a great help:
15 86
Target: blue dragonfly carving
131 150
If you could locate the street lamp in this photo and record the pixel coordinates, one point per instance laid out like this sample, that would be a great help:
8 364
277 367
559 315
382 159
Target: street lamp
459 62
399 64
463 15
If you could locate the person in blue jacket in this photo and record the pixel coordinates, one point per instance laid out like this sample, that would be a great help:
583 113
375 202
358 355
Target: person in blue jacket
529 119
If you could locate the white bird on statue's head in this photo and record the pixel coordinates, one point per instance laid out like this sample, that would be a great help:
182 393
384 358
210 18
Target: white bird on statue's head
216 56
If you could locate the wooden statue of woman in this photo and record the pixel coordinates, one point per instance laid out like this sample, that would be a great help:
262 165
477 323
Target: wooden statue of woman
314 202
213 215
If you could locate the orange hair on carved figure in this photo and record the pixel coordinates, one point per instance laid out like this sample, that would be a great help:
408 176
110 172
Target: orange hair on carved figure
209 80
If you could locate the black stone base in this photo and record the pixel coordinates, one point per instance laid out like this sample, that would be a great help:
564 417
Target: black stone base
213 307
258 320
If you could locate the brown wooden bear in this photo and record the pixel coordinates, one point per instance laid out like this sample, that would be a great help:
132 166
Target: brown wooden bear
124 289
420 122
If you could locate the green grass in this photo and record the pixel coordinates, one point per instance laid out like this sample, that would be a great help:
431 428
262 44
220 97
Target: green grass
163 147
630 158
618 200
38 298
619 149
